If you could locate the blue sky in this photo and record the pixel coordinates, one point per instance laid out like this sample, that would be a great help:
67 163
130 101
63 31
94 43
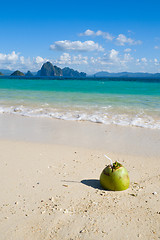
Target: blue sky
89 36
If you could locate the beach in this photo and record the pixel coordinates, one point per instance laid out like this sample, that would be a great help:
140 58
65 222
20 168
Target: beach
50 186
80 120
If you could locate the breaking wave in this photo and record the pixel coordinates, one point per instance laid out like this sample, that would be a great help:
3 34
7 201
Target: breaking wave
105 115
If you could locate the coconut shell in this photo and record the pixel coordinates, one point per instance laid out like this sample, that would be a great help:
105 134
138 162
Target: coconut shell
115 177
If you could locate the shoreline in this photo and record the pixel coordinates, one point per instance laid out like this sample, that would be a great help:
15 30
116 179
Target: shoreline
110 116
49 173
111 138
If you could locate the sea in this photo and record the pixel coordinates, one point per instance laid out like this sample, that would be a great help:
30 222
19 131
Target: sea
125 103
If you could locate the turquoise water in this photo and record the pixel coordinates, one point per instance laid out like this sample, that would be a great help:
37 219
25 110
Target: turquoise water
116 102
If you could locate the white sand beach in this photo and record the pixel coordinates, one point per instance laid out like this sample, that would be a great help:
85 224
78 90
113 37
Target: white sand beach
49 174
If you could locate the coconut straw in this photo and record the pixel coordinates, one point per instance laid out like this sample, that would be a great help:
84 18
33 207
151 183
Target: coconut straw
110 160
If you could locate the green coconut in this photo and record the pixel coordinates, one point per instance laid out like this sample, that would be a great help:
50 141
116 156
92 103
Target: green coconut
115 177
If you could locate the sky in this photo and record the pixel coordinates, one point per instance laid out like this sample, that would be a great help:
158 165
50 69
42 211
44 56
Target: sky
88 36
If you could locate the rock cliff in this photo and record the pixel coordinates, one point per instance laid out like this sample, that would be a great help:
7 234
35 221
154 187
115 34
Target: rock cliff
48 70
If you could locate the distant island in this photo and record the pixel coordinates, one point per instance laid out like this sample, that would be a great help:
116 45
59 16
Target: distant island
49 71
126 75
17 73
29 74
68 72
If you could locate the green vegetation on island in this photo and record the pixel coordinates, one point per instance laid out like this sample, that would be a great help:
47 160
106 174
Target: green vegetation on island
48 70
68 72
17 73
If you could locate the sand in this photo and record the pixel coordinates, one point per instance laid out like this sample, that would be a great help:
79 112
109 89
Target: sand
49 174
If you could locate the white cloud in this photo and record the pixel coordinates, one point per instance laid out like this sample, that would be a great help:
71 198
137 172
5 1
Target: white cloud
122 40
137 61
105 35
9 61
93 60
144 60
128 57
156 47
156 62
127 50
2 57
110 58
29 63
113 59
79 59
39 59
13 61
67 59
67 45
26 62
88 32
11 57
22 60
113 56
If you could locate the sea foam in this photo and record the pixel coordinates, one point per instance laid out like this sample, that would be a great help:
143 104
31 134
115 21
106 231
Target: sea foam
103 115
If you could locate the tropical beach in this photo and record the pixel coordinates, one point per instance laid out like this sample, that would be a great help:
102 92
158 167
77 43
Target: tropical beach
53 138
80 120
50 185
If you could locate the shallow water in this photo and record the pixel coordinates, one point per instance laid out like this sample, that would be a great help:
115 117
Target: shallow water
116 102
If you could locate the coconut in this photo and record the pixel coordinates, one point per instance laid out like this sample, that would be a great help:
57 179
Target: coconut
115 177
